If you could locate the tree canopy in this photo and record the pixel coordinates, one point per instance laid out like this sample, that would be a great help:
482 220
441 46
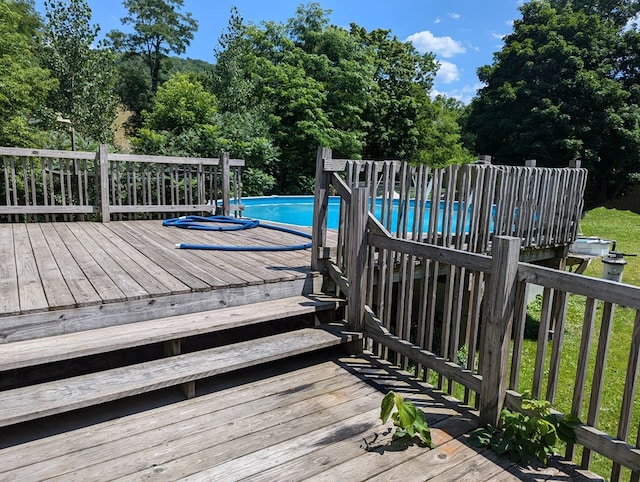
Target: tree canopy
24 83
560 90
313 83
159 29
84 95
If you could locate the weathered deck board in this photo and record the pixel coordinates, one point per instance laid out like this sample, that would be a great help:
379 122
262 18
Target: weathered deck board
59 396
163 256
53 282
9 301
103 284
128 260
30 289
111 265
270 265
81 288
78 344
61 266
310 417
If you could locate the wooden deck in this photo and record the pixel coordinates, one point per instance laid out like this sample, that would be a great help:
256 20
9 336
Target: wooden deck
310 418
64 277
313 416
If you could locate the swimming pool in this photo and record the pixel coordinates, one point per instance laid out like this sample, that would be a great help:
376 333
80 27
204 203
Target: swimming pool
298 210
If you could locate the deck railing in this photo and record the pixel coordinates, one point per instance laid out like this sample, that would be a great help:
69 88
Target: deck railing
54 185
459 317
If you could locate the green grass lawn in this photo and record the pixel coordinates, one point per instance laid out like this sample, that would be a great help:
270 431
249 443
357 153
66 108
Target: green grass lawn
624 227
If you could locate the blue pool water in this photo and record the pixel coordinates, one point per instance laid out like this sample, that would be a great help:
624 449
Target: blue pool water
298 210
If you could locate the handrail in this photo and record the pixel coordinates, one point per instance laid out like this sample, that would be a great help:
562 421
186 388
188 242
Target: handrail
418 303
43 184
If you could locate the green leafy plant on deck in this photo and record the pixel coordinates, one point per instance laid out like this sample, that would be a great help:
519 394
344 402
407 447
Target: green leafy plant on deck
524 436
407 418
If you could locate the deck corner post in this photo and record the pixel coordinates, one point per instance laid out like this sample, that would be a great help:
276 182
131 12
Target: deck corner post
226 183
103 161
320 209
498 321
356 254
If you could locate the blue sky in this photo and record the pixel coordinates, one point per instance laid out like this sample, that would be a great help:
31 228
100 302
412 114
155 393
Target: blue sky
463 34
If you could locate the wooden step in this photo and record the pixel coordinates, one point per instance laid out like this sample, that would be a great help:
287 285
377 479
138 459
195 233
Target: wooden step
73 345
32 402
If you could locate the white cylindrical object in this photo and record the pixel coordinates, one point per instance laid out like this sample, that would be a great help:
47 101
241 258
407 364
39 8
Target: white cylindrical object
613 268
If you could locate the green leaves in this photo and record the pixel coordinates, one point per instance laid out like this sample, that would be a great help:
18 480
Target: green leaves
550 91
85 74
408 419
523 437
24 84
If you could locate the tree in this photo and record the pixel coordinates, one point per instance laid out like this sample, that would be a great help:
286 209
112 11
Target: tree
400 113
84 94
184 121
559 90
24 84
158 30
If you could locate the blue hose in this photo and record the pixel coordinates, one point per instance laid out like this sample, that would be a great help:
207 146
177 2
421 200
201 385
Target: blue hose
231 224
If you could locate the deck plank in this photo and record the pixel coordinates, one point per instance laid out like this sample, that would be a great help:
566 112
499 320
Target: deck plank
149 438
158 271
59 396
191 274
135 261
238 272
230 394
316 419
53 282
81 288
9 301
131 289
83 343
30 289
119 253
102 283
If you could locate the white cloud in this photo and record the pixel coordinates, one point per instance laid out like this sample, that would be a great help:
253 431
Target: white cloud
425 41
447 73
453 16
464 94
437 20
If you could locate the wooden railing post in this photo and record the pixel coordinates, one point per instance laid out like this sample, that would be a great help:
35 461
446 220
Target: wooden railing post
497 324
320 209
226 184
103 160
356 254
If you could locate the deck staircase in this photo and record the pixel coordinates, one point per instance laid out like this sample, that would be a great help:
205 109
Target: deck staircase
160 353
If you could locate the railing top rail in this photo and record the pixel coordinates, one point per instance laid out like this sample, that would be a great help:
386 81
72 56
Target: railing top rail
205 161
23 152
336 165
